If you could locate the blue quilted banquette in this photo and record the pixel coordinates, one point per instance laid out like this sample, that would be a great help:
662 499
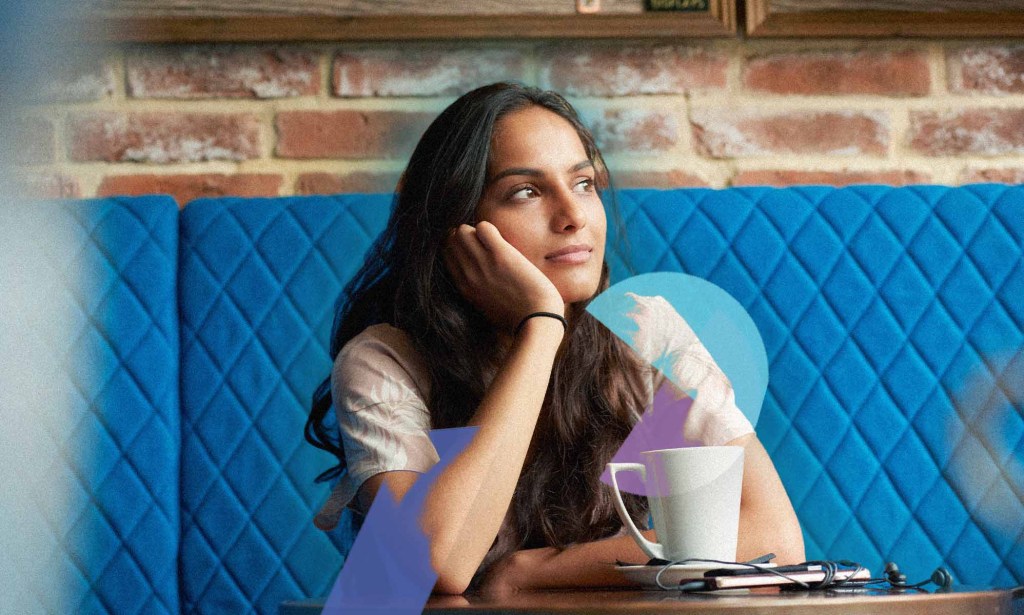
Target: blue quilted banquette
893 320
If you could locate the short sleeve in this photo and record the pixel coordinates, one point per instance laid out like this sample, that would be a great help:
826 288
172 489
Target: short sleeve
664 339
379 386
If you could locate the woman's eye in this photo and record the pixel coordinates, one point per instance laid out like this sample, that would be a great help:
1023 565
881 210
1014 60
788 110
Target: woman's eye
585 185
523 193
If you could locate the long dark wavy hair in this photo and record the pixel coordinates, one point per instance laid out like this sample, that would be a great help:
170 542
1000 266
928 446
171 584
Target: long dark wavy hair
597 384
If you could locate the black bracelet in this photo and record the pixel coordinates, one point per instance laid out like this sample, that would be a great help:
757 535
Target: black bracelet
558 317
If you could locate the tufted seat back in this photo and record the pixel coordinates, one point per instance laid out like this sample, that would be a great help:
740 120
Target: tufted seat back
893 319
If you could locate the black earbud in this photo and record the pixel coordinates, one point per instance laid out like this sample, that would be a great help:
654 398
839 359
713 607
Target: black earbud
894 576
941 577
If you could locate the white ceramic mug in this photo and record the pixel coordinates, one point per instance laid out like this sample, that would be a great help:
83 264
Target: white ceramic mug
694 495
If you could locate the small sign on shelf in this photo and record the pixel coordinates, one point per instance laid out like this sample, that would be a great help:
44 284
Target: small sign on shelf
676 5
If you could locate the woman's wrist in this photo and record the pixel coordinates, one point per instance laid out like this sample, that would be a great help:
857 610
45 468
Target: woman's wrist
550 328
540 314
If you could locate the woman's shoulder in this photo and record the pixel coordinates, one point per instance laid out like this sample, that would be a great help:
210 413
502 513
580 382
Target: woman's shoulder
381 334
381 351
380 338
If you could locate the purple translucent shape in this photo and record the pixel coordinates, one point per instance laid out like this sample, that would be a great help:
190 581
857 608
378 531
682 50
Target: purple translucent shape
660 427
388 568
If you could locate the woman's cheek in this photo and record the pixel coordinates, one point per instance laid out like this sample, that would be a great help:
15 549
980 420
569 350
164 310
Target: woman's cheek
512 236
504 227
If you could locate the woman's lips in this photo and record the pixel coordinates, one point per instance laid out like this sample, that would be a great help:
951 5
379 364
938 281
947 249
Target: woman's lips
571 255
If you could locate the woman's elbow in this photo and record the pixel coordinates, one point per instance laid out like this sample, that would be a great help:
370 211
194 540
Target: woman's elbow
789 546
770 531
794 548
452 578
452 562
449 585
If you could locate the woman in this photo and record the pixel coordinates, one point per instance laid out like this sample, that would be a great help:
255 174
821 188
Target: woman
456 319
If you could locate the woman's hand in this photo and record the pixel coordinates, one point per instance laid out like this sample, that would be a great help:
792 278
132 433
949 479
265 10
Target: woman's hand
496 278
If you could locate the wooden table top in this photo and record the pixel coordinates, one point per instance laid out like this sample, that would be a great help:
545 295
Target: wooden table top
957 601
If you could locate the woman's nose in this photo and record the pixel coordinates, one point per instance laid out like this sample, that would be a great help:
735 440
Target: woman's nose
569 214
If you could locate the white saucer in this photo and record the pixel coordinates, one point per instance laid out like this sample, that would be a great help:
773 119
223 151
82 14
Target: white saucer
644 575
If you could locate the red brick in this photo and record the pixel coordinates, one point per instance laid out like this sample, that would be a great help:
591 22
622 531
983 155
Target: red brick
967 131
987 70
163 137
604 70
422 71
222 71
999 176
358 181
73 78
185 188
634 130
349 134
887 73
657 179
49 186
786 177
30 141
726 133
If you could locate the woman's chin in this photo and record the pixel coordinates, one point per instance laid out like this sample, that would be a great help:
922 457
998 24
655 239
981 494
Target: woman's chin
576 286
578 294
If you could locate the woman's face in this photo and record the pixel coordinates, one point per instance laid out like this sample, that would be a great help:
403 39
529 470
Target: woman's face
541 195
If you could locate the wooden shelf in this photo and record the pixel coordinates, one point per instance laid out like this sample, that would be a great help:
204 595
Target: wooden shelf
884 18
176 21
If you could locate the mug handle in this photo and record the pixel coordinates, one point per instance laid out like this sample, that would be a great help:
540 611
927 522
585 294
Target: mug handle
652 549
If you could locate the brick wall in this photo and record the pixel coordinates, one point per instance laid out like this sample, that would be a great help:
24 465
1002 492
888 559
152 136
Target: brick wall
303 119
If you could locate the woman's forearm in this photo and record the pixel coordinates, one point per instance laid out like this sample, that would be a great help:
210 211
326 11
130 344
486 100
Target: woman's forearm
467 503
590 564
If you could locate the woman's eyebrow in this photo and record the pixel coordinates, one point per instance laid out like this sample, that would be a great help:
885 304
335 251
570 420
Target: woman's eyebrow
579 166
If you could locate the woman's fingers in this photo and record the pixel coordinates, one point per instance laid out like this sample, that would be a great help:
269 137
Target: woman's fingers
502 251
489 236
465 258
467 239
